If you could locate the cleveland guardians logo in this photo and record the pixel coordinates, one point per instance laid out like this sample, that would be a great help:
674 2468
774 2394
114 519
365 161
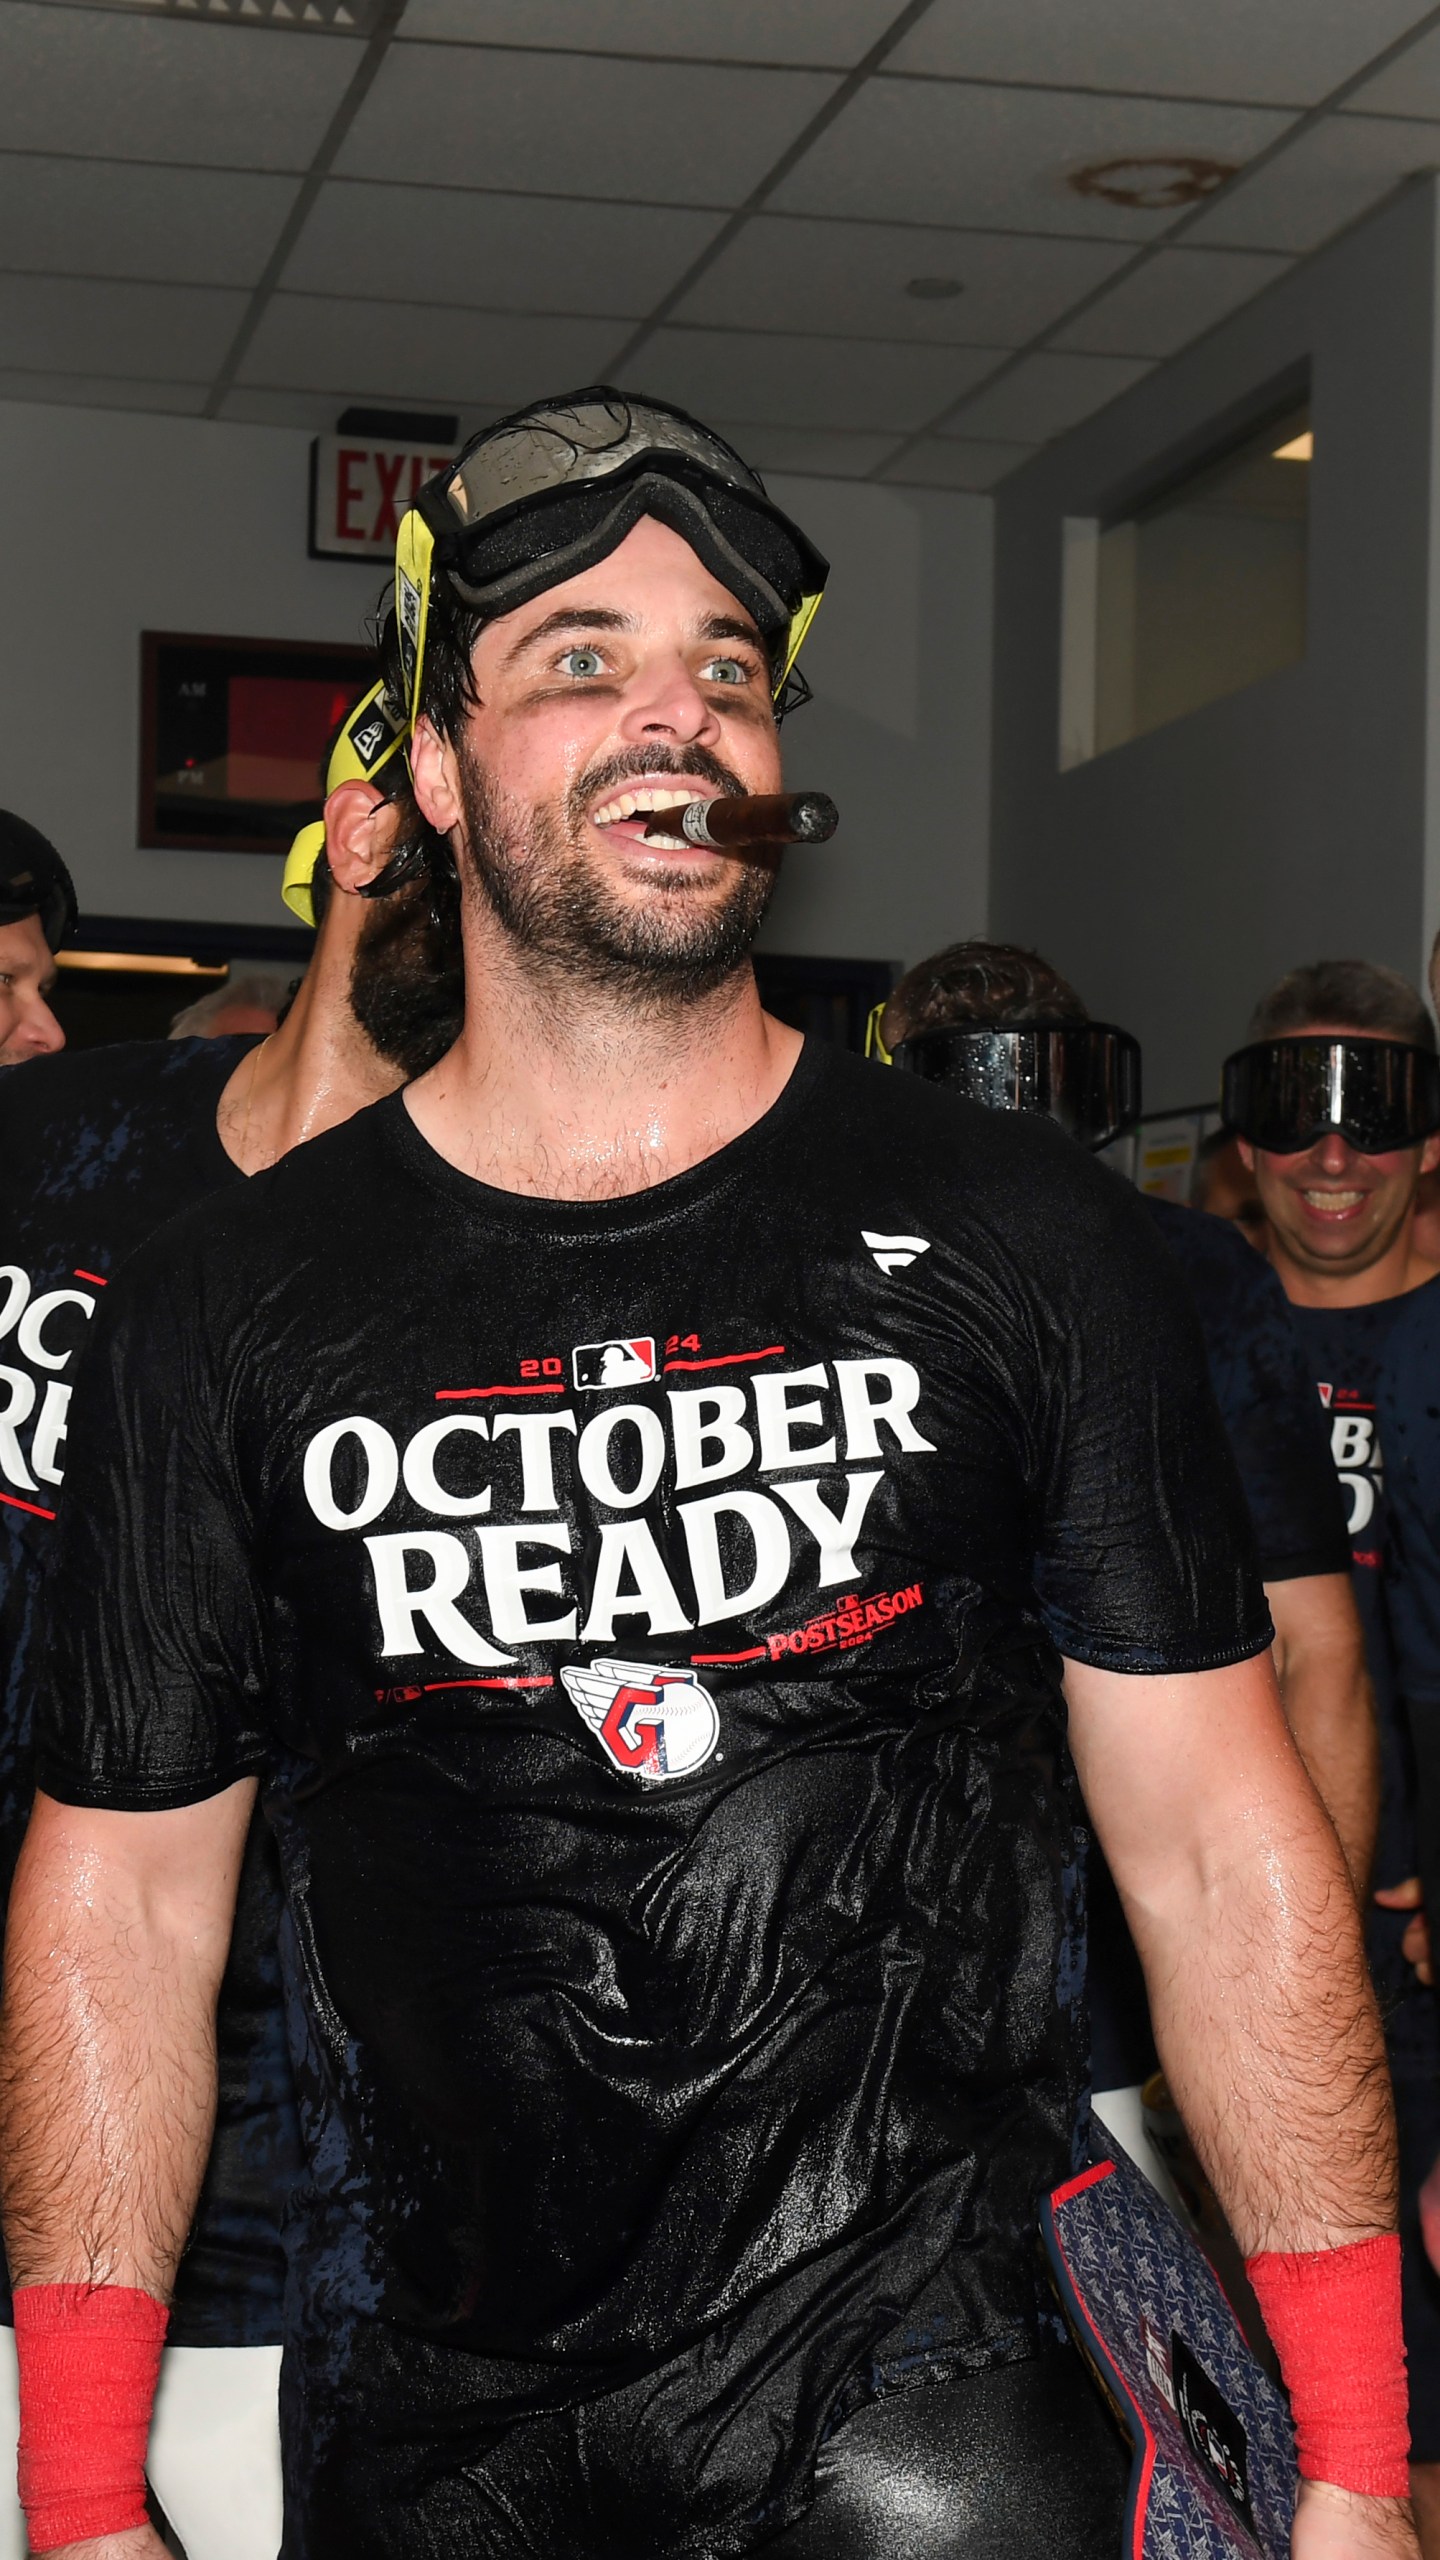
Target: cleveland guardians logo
650 1722
614 1364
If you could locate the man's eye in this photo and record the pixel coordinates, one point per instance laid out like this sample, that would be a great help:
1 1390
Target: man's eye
726 671
582 662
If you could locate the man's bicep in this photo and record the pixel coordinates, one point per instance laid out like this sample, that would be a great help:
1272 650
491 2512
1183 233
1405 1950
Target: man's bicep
1176 1767
177 1871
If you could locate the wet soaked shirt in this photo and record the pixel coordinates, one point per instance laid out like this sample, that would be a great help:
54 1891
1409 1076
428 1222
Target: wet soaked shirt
646 1618
98 1148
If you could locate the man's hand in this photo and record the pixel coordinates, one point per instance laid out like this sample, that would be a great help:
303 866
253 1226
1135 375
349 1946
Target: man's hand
1333 2524
1415 1945
143 2544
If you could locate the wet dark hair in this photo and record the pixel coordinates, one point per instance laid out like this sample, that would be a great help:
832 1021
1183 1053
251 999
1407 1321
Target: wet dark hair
979 982
1359 992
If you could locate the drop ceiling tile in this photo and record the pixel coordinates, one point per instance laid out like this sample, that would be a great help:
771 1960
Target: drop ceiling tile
495 252
103 391
115 218
1324 179
563 124
1288 53
68 324
849 279
1411 86
317 412
150 88
938 151
396 352
833 451
805 382
1042 396
838 32
948 462
1169 300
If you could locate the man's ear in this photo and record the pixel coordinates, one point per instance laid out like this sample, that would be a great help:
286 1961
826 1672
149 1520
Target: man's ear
1247 1154
436 778
1430 1155
360 830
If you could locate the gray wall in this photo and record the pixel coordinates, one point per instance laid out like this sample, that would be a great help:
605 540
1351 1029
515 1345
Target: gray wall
1172 878
113 522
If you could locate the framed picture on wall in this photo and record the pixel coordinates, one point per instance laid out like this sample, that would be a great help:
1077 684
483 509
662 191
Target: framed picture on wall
234 734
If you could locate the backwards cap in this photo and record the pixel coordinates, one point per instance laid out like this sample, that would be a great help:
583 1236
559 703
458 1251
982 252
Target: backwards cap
541 496
34 880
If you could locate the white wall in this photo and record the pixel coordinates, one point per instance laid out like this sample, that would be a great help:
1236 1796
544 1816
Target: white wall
112 523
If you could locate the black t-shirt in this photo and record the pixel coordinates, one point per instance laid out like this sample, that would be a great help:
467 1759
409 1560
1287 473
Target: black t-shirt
645 1617
98 1147
1350 1351
1408 1417
1277 1436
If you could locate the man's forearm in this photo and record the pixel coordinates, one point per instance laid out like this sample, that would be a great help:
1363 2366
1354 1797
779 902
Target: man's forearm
107 2055
1330 1706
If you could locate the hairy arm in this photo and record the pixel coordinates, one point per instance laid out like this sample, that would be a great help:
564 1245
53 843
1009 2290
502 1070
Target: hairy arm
1240 1903
117 1936
1329 1705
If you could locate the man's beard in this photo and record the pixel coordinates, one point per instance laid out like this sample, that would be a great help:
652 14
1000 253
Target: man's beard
556 905
407 981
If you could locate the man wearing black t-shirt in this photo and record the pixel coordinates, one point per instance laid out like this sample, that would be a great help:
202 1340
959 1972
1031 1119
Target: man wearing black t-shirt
629 1500
1340 1224
99 1148
37 910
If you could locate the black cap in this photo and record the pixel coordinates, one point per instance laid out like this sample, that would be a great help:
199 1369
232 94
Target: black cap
34 880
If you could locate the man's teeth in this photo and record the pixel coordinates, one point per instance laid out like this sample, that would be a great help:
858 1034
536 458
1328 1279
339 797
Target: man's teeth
1333 1199
636 803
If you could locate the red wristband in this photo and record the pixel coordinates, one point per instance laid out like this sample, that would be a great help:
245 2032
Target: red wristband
1334 2318
89 2360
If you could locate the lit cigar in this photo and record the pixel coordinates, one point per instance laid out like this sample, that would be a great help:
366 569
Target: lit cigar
775 817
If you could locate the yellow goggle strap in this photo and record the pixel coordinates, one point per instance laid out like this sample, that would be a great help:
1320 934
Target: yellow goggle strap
365 745
874 1045
414 558
795 638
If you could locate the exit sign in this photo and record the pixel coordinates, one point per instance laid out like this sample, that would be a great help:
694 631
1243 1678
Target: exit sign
360 487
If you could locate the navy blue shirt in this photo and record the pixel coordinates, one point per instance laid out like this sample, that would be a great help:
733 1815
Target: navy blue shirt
98 1148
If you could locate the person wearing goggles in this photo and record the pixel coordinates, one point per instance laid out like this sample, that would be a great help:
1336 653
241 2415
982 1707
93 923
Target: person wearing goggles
626 1499
98 1149
37 912
1336 1099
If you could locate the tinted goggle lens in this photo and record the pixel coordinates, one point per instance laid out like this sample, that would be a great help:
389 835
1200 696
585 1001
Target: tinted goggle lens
1284 1094
1085 1075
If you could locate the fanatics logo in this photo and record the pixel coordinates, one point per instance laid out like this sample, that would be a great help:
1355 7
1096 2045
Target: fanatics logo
614 1364
894 1253
651 1723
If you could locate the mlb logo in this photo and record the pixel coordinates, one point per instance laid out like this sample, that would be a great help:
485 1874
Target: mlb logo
614 1364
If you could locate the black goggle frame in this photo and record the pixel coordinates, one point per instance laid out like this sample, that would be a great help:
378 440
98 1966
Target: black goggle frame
1283 1095
1085 1075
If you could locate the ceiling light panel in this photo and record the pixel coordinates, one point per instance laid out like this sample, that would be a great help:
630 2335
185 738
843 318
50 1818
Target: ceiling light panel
305 17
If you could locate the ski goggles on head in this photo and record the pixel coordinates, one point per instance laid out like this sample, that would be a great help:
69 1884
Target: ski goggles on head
1086 1075
34 881
547 493
373 734
1284 1094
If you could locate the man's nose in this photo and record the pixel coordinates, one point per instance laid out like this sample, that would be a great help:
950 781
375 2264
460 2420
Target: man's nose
40 1033
666 702
1334 1153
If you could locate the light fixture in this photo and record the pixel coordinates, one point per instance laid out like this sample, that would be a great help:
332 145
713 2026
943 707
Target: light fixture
1300 448
149 964
934 288
1153 182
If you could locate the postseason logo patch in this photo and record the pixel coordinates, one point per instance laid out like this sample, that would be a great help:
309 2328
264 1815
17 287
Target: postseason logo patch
619 1363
